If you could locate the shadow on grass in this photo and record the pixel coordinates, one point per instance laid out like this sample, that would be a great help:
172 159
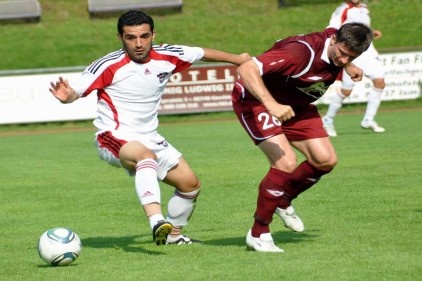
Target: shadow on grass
124 243
134 245
47 266
279 237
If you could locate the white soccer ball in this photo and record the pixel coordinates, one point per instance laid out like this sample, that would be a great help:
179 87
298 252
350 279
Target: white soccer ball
59 246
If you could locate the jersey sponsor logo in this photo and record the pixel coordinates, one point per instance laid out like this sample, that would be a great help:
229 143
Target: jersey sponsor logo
275 193
316 90
162 76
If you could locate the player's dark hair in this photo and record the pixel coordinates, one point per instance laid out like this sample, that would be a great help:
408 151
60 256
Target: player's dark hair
133 18
356 36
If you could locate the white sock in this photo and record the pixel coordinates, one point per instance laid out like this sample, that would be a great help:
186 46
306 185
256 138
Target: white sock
146 182
180 207
335 105
374 101
153 219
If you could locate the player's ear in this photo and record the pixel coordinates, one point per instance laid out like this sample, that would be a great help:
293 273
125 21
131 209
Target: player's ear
119 37
333 40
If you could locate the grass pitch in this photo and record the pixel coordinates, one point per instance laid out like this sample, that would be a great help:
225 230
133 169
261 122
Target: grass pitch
363 220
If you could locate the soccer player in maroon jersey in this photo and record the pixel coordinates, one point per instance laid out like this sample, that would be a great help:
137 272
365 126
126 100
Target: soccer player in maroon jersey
273 101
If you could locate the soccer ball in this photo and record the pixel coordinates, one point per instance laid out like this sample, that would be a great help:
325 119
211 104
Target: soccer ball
59 246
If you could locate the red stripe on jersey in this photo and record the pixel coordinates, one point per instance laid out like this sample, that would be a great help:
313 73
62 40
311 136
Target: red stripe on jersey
344 14
102 95
178 63
106 77
108 141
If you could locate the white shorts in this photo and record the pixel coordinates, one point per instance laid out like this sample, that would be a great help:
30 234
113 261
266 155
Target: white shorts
109 143
371 65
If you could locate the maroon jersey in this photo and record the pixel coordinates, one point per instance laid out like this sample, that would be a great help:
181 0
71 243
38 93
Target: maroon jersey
296 70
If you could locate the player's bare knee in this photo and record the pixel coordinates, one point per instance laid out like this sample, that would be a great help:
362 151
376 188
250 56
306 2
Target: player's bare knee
329 165
187 185
324 164
287 165
195 184
379 83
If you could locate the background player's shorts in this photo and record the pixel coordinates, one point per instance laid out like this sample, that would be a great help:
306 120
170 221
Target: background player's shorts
109 143
371 65
260 125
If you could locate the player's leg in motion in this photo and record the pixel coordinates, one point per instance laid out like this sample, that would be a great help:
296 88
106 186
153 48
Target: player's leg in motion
182 204
282 160
336 103
302 178
321 159
137 156
283 165
334 106
374 101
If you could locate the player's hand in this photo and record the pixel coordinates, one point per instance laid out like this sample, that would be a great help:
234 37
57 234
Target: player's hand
376 34
62 91
354 72
244 57
281 112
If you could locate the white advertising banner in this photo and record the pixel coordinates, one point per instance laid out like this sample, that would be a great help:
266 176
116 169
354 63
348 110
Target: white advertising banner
201 88
26 99
403 78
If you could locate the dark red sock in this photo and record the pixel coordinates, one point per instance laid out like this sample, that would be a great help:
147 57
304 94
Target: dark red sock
303 177
269 194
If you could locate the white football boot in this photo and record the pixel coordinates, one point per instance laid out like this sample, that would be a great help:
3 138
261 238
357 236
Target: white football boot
264 243
181 240
290 219
372 126
329 127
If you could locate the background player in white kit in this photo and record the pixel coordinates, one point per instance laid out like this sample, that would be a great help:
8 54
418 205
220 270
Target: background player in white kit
369 62
129 84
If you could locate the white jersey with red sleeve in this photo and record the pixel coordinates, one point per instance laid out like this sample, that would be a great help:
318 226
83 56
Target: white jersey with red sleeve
129 93
346 13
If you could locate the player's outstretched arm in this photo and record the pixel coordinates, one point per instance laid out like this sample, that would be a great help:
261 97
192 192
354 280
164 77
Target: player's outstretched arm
221 56
62 91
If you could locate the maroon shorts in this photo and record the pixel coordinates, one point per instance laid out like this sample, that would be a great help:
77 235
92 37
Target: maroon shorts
260 125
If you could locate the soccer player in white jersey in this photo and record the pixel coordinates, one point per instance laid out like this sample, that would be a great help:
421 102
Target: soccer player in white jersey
129 84
369 62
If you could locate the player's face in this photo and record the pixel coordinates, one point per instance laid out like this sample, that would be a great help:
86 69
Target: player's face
340 54
137 41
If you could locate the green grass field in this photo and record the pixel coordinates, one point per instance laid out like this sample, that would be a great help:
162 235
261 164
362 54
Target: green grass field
67 36
363 221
